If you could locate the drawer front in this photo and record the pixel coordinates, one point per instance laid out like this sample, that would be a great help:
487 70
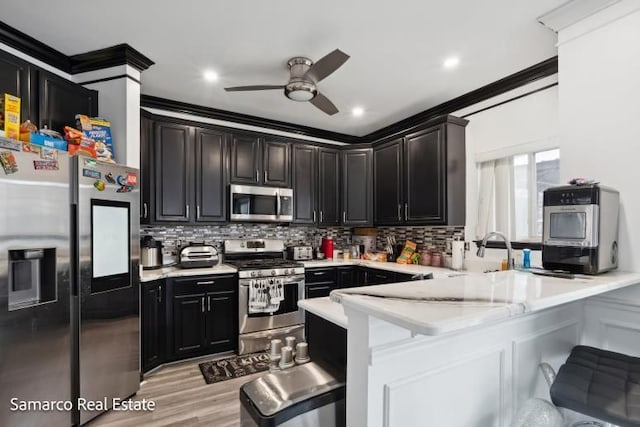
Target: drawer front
320 275
197 284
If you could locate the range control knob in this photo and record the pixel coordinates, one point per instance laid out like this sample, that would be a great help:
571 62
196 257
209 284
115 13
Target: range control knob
273 272
253 274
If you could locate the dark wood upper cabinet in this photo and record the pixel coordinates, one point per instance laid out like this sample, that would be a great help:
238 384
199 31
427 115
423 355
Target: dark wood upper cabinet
16 77
146 138
210 182
276 159
304 184
434 161
357 188
172 180
328 187
388 183
245 159
61 100
424 160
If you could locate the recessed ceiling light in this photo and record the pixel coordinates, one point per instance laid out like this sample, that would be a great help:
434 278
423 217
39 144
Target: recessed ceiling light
357 111
210 76
451 62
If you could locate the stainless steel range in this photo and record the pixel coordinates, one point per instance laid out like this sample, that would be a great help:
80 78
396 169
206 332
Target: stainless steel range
270 287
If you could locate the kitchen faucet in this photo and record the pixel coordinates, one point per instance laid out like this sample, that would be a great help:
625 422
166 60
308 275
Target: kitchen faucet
480 252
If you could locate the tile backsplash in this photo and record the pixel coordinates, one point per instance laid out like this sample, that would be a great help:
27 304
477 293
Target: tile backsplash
426 237
172 236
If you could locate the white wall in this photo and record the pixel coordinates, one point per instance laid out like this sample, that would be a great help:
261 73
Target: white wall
599 102
521 125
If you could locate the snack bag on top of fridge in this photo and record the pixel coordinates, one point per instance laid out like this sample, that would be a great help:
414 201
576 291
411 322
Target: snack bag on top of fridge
98 130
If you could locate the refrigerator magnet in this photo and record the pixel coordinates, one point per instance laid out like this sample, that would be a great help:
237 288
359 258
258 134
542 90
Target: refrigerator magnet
124 189
47 165
90 173
110 179
10 144
99 185
8 162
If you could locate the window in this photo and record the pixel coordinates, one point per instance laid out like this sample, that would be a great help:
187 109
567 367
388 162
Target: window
511 191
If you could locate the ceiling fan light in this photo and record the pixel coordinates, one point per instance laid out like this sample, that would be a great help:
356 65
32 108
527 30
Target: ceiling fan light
300 95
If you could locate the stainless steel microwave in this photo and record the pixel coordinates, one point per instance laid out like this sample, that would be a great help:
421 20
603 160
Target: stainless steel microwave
261 204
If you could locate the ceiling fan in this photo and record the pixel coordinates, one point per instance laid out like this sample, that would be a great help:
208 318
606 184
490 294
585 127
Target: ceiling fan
305 75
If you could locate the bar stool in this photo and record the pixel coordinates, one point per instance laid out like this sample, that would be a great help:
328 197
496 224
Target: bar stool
601 384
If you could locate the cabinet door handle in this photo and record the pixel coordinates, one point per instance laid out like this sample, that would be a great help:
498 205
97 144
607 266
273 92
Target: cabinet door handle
198 211
144 210
265 176
344 216
208 282
202 300
321 216
318 273
406 211
257 175
187 209
314 216
159 294
208 303
399 212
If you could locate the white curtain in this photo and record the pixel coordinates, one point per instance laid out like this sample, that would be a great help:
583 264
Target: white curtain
486 176
496 205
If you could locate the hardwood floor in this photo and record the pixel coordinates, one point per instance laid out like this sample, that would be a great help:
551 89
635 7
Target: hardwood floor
182 398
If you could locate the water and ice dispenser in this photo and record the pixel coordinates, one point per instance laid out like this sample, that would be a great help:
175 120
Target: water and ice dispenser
32 277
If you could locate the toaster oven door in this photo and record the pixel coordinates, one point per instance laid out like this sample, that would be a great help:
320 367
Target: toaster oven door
573 226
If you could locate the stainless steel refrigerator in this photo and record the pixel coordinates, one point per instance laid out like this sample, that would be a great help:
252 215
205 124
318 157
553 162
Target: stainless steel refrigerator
69 285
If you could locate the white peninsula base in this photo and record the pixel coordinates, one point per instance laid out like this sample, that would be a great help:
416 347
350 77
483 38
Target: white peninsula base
480 369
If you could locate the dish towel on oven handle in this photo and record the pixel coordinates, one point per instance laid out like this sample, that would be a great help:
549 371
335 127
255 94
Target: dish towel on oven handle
265 295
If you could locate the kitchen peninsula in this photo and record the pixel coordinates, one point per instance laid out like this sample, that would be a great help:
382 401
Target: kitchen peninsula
464 351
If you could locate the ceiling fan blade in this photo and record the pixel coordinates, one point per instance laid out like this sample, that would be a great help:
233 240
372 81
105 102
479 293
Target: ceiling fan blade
257 87
323 103
326 65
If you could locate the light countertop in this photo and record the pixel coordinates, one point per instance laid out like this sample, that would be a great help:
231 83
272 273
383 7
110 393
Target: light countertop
325 308
163 273
439 306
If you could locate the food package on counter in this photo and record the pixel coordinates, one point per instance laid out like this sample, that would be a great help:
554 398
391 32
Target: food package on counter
11 116
8 162
79 143
99 130
375 256
45 138
407 252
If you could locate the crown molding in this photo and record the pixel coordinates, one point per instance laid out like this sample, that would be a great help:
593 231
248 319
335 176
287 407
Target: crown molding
95 60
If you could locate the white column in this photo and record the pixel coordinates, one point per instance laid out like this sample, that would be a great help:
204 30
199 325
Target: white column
599 107
118 102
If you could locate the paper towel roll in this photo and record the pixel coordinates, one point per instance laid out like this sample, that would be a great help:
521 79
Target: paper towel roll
457 254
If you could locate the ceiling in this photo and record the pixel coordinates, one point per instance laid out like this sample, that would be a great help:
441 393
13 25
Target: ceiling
397 49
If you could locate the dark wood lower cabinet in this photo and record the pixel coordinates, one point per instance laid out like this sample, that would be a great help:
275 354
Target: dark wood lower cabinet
346 277
153 325
221 322
188 317
188 325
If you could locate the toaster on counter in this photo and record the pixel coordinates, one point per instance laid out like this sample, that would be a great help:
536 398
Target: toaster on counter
198 255
300 253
